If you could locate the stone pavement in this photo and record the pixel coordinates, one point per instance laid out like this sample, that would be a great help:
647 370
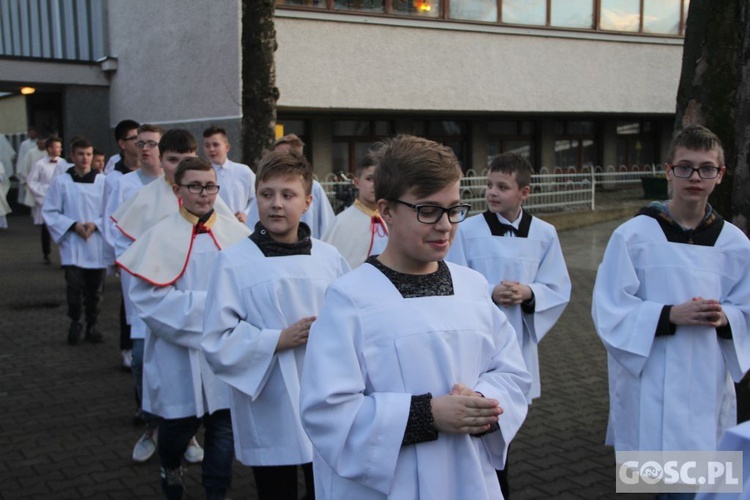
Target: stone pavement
66 429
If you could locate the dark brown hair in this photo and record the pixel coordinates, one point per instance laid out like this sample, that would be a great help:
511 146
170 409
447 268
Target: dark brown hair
509 163
697 138
191 163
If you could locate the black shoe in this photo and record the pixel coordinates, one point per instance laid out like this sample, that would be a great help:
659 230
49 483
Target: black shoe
92 335
46 260
172 483
139 418
74 333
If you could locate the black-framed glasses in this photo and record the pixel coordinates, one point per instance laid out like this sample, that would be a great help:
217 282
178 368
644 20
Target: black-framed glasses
199 188
704 171
431 214
143 144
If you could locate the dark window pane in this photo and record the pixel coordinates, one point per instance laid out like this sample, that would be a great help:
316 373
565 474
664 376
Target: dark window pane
533 12
475 10
588 156
424 8
559 128
446 127
527 128
580 127
420 128
383 128
360 151
622 151
360 5
340 156
521 147
572 13
294 127
566 153
620 15
502 128
351 127
661 16
305 3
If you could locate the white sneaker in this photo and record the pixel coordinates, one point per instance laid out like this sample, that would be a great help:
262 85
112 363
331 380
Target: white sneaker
127 360
146 445
194 452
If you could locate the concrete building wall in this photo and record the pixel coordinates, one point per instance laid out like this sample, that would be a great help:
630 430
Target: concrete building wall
86 113
359 63
178 61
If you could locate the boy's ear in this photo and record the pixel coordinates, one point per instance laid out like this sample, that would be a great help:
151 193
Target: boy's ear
308 201
525 193
721 174
384 208
176 190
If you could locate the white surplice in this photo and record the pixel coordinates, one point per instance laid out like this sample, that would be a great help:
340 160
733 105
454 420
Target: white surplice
357 233
318 217
671 392
66 203
370 351
38 183
24 169
237 183
171 268
251 298
4 206
535 260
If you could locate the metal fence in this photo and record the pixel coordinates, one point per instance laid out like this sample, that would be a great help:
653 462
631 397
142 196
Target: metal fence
562 189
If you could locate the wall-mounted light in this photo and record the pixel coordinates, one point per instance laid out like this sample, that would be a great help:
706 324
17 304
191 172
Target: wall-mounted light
108 64
27 90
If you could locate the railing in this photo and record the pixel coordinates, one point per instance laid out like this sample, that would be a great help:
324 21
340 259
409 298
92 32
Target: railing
565 189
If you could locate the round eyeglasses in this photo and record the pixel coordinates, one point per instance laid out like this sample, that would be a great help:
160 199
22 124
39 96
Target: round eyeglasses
431 214
704 171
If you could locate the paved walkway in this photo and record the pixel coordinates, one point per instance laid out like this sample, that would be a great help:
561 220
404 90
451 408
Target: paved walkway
66 430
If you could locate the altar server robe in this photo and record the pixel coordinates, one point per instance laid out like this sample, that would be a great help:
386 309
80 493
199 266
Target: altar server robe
23 170
38 183
4 206
250 300
671 392
369 351
171 267
318 216
66 203
237 183
357 233
533 257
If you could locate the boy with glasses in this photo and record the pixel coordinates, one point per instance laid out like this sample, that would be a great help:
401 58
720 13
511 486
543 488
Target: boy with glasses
672 306
171 263
413 384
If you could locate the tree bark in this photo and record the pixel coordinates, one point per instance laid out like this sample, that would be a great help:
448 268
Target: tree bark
259 92
710 81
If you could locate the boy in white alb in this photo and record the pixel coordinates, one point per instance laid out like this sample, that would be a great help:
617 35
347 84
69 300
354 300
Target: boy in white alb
359 231
672 306
171 263
23 169
320 214
72 211
237 179
4 206
263 296
38 183
413 384
520 256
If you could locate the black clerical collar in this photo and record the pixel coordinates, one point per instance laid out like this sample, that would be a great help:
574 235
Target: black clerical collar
86 179
705 234
498 228
273 248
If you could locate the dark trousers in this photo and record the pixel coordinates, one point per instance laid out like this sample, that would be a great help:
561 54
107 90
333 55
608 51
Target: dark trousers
46 241
279 482
125 343
218 447
85 290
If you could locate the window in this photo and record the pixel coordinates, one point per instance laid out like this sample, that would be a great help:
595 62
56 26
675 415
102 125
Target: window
636 143
474 10
575 144
450 133
511 136
361 5
353 138
653 17
299 128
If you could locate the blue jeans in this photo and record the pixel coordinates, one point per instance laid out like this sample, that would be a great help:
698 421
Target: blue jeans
137 368
218 454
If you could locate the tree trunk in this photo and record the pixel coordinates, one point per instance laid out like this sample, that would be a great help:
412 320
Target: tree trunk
259 92
710 81
715 91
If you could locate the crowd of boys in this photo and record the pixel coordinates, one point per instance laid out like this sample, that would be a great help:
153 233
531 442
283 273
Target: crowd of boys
391 351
